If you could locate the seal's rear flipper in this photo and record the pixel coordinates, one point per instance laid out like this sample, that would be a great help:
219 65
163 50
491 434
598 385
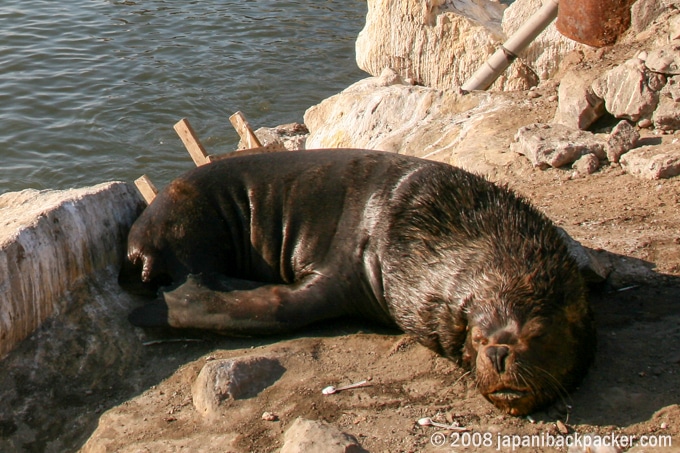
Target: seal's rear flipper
153 314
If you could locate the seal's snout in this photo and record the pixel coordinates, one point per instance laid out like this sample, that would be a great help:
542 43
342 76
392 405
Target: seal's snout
497 354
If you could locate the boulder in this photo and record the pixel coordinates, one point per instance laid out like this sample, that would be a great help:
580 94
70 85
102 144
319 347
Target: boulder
644 12
377 113
290 137
664 60
667 115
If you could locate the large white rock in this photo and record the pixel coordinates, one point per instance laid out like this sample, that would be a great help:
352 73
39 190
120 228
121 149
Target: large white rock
49 241
436 43
471 131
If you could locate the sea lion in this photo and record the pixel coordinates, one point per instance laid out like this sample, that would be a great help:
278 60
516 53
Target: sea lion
269 243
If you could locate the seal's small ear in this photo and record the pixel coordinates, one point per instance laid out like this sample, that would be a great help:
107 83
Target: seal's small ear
153 314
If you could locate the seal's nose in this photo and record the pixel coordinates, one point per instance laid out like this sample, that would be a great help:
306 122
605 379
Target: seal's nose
497 355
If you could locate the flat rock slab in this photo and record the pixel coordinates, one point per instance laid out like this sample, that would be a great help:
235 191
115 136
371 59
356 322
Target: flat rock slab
555 145
653 163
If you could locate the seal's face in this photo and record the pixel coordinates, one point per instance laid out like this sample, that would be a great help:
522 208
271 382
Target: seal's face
522 366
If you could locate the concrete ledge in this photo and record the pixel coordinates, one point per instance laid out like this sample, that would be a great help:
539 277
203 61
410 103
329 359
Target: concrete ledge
50 240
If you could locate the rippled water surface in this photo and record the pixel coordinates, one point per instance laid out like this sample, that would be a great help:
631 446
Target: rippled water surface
90 89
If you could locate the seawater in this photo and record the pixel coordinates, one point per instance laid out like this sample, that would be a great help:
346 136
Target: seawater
90 89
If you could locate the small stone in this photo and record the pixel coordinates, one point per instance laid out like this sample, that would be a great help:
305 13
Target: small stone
561 427
656 82
587 164
269 417
390 77
664 425
645 123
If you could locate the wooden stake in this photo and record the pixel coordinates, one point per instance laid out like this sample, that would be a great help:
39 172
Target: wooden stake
146 188
238 120
191 142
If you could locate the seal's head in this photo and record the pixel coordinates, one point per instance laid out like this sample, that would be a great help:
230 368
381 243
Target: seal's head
529 342
480 276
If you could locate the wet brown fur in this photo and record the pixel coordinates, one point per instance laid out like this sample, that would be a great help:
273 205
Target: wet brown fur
467 267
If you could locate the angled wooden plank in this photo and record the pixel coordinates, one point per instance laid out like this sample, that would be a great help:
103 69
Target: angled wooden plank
191 142
146 188
238 120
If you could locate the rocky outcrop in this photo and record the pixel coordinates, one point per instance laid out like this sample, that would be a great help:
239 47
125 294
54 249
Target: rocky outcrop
49 240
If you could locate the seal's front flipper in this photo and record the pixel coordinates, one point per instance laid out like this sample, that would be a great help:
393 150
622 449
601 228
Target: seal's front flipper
153 314
246 308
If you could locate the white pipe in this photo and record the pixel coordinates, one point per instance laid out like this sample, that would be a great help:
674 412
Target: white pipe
506 54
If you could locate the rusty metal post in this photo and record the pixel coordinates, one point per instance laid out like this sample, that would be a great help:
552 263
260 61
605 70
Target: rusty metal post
597 23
